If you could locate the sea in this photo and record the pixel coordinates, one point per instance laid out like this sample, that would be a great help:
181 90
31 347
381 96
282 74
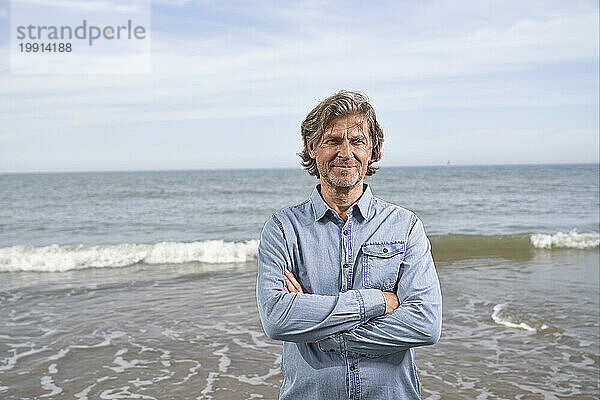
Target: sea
141 285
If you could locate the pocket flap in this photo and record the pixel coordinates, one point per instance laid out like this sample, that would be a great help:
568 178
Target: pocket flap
383 250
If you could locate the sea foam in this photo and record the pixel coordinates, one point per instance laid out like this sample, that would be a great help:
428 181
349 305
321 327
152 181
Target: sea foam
511 321
56 258
571 240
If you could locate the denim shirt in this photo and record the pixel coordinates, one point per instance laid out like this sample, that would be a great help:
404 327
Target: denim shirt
338 341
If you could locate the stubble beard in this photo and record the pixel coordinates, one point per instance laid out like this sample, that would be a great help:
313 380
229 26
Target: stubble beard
343 180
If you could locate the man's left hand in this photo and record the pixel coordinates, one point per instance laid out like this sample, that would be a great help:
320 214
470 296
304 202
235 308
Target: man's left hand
292 284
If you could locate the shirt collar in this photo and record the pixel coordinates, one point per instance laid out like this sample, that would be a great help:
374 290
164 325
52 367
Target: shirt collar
320 207
365 201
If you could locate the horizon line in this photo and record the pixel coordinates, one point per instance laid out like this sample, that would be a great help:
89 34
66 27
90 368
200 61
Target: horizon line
283 168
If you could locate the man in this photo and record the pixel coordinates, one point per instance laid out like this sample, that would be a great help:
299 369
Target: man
346 280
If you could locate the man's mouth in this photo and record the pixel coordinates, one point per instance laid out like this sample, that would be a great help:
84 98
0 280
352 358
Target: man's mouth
348 166
344 167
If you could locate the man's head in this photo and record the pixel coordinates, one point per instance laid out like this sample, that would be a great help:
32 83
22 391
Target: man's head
342 139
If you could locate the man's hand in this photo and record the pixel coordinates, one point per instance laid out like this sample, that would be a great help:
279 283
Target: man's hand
292 284
391 301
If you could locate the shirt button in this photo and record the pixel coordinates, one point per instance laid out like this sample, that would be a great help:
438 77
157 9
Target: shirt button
346 265
345 232
352 368
385 250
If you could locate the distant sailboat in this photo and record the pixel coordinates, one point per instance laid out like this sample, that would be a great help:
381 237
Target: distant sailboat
448 163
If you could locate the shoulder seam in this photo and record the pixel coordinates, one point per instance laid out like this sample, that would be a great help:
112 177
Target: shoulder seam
300 204
395 206
413 221
280 226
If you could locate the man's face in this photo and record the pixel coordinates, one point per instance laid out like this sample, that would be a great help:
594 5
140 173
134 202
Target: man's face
344 152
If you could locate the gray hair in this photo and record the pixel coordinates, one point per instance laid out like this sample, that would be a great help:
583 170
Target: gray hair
342 103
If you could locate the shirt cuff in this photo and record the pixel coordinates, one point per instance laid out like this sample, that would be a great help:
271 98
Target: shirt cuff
372 303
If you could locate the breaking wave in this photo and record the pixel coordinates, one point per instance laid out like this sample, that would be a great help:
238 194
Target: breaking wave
461 246
513 320
571 240
56 258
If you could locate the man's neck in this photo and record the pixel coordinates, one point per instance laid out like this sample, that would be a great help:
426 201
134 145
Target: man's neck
340 199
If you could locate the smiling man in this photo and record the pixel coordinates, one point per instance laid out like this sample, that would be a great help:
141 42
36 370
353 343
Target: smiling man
346 280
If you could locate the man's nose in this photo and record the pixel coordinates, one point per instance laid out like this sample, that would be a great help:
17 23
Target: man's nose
344 149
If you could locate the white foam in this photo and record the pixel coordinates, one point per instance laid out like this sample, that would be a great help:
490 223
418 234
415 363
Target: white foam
106 342
56 258
84 393
61 353
123 393
138 382
571 240
210 381
123 364
501 320
48 384
10 362
192 371
224 361
52 369
257 380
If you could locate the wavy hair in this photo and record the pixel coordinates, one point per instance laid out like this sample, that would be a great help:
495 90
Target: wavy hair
342 103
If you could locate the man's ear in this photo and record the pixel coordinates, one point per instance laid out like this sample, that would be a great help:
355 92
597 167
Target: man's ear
311 150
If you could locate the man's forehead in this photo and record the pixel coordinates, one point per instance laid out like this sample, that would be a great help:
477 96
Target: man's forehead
352 124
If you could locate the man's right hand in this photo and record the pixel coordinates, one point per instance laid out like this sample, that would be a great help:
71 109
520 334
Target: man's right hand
391 301
292 286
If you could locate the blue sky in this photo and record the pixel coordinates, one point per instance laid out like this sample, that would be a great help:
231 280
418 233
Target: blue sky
477 82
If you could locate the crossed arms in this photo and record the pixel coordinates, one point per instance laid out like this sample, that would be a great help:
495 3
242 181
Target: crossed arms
293 286
364 321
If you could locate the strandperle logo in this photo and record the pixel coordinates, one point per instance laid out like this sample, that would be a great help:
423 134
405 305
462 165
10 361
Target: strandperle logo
80 36
84 31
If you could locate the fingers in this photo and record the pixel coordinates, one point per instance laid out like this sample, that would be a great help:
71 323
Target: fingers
292 283
391 301
288 286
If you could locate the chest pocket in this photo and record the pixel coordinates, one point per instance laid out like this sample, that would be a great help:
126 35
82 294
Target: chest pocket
381 264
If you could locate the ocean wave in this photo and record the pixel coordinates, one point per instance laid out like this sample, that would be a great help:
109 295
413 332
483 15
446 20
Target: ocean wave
513 320
515 246
56 258
571 240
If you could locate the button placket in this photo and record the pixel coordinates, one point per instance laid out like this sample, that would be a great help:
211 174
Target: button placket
347 254
354 378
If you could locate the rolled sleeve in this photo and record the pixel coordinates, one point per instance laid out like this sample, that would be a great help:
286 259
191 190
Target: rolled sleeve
372 303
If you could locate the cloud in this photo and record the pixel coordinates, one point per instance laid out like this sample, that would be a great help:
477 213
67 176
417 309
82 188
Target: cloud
266 70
